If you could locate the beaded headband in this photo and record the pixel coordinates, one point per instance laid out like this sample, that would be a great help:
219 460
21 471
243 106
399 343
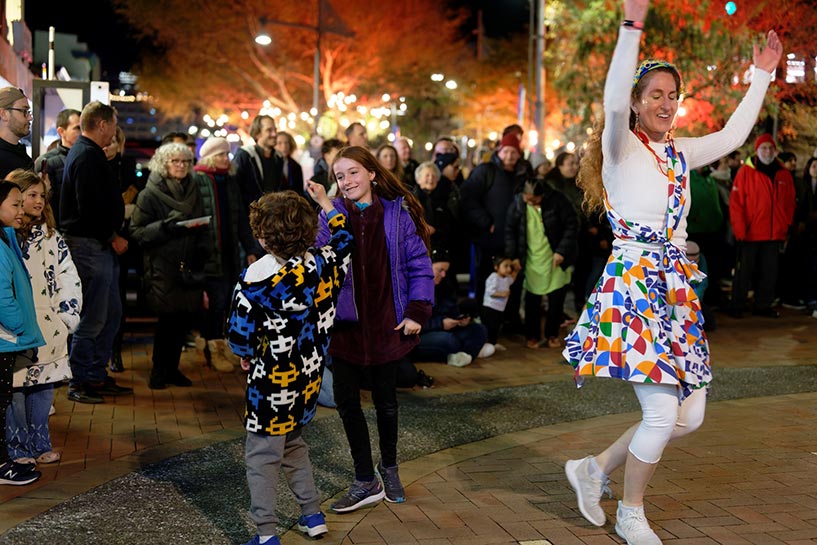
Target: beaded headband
651 64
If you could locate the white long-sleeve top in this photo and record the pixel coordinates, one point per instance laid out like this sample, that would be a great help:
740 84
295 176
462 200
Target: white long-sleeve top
636 187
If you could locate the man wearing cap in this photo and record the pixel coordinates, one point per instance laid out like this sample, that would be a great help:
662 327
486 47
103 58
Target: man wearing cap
761 209
259 168
92 212
486 196
53 160
15 123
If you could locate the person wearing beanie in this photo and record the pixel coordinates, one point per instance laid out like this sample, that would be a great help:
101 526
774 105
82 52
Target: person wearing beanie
15 123
761 210
229 237
540 164
486 196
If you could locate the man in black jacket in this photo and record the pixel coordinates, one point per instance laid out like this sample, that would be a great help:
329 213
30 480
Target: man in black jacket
52 162
259 168
15 123
91 214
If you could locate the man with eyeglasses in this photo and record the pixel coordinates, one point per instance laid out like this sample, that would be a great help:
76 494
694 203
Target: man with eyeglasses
91 215
15 123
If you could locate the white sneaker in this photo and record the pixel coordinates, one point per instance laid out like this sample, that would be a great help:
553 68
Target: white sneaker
499 347
589 489
459 359
632 526
486 351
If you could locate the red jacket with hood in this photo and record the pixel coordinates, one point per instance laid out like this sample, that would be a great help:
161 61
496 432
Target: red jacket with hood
760 208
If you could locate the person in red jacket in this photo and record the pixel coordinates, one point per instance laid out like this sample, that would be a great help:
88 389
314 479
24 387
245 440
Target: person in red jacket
761 209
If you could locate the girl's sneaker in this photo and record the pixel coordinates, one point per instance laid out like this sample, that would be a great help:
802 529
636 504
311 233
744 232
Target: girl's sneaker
360 493
18 474
391 482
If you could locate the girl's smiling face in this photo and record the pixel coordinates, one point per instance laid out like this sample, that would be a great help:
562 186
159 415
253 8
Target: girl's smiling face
354 181
11 209
34 201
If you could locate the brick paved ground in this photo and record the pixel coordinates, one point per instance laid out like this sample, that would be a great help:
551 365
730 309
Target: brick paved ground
748 476
101 442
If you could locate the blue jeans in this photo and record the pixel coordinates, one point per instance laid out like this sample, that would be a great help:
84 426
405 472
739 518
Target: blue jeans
27 421
437 345
92 343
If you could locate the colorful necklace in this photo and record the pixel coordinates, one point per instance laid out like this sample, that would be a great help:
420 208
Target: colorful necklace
662 163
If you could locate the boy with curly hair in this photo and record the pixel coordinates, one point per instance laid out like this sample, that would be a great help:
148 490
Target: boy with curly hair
282 310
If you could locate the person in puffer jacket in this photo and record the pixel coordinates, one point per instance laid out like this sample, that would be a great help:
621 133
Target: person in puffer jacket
281 314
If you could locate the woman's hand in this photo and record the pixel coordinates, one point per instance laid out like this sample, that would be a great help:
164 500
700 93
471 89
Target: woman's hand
769 57
409 327
558 259
636 10
318 194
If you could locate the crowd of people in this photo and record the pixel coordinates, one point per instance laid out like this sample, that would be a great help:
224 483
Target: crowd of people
349 271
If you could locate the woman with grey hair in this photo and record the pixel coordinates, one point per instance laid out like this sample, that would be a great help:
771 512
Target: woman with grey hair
168 224
440 199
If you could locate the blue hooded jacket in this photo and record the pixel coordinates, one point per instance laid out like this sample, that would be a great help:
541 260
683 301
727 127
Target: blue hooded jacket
18 319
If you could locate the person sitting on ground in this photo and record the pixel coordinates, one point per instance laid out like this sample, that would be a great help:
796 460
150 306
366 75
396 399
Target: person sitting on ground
449 335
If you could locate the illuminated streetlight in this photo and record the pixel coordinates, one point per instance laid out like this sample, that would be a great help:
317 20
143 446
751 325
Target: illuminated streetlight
451 84
263 38
437 77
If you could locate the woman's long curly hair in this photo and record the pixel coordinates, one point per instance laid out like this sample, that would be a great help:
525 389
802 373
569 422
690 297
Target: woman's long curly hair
589 179
387 186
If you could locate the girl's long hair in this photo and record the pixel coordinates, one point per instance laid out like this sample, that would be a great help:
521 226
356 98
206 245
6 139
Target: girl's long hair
25 179
387 186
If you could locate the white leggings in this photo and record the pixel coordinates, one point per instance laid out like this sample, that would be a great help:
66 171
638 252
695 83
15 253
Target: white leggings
663 420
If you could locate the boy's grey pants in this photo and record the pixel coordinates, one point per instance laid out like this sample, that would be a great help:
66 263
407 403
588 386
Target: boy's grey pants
264 456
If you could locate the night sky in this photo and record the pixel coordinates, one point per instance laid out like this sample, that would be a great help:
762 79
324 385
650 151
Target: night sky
96 24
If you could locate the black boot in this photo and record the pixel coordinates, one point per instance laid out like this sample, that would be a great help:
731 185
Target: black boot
116 365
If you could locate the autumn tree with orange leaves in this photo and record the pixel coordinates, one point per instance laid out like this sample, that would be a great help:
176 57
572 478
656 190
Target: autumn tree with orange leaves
205 57
712 50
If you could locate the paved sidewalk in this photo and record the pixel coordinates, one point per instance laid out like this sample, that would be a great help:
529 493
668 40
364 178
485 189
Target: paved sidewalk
748 476
99 443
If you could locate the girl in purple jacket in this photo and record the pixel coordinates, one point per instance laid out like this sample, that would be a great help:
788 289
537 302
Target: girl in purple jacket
386 296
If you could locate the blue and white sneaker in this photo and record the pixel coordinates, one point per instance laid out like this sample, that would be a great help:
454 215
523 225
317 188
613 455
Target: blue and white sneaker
313 525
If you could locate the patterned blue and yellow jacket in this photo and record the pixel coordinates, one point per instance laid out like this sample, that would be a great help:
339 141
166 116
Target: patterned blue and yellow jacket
280 319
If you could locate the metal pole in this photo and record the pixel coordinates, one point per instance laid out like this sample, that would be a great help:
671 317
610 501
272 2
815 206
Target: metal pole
540 76
529 89
51 52
317 80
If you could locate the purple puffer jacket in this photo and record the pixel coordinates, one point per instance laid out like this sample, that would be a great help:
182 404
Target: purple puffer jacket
411 275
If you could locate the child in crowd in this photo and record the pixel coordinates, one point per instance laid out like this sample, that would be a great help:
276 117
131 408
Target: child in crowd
541 236
283 308
58 300
383 304
18 322
497 291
